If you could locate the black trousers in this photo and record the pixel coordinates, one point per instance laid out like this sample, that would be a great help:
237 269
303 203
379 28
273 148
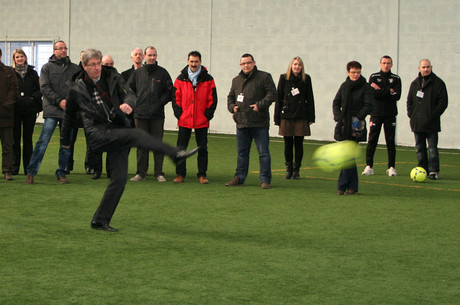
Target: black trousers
23 125
201 137
117 142
389 127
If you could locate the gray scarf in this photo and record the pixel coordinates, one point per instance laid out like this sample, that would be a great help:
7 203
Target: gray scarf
21 70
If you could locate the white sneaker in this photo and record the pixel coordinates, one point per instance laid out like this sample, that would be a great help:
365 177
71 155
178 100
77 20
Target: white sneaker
137 178
391 172
161 178
368 171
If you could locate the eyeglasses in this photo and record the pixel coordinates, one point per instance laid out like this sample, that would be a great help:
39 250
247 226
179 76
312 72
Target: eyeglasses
94 64
246 63
61 48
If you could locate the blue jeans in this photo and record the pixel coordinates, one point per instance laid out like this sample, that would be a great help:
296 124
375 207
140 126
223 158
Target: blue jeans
431 163
244 137
348 179
40 147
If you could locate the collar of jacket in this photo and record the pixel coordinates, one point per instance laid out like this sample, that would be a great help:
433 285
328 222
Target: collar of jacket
63 61
184 73
151 67
247 76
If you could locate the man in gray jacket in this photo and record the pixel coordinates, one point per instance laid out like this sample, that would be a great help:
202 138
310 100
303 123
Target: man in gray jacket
55 78
250 97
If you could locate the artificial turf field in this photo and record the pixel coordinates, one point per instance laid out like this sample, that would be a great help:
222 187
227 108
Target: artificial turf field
397 242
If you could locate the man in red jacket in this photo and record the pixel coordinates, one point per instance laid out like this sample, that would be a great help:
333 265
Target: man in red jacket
194 102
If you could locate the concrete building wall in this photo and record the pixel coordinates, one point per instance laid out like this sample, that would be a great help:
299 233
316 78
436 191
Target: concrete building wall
326 34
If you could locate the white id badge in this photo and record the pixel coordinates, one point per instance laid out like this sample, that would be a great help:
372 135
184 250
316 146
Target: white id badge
420 94
295 91
240 98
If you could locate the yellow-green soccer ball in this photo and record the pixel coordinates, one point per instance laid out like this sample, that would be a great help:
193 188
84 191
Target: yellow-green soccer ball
340 155
418 174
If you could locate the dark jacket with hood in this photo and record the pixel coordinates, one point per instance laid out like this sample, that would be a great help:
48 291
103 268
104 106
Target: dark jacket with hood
8 94
152 85
257 88
29 98
426 102
194 106
298 106
55 79
95 120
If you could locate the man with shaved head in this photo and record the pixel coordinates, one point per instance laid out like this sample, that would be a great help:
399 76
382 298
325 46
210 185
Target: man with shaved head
426 102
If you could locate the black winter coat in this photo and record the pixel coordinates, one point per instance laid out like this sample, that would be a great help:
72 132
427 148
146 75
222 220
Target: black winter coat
8 95
299 106
29 98
94 119
354 99
153 87
425 112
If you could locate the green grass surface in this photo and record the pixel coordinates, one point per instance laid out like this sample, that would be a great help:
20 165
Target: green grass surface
397 242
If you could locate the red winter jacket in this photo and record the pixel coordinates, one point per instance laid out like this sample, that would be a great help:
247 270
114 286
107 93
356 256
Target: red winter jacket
194 107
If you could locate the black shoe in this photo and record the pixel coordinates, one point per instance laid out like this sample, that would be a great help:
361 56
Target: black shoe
96 175
105 227
181 155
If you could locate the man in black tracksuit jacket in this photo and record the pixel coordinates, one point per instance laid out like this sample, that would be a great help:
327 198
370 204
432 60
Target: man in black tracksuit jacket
387 91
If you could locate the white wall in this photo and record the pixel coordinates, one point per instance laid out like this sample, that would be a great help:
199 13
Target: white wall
326 34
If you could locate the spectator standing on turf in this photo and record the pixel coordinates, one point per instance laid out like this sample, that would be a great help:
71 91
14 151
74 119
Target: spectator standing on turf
26 109
426 102
8 95
194 102
55 79
352 103
137 56
249 99
294 113
152 85
387 91
102 99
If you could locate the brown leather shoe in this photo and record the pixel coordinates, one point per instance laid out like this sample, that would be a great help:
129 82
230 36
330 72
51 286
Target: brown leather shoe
62 180
265 185
30 179
178 179
340 192
203 180
351 192
235 182
8 176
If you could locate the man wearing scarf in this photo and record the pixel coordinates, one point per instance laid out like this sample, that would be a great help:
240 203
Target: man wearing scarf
352 103
153 87
426 102
102 99
194 102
